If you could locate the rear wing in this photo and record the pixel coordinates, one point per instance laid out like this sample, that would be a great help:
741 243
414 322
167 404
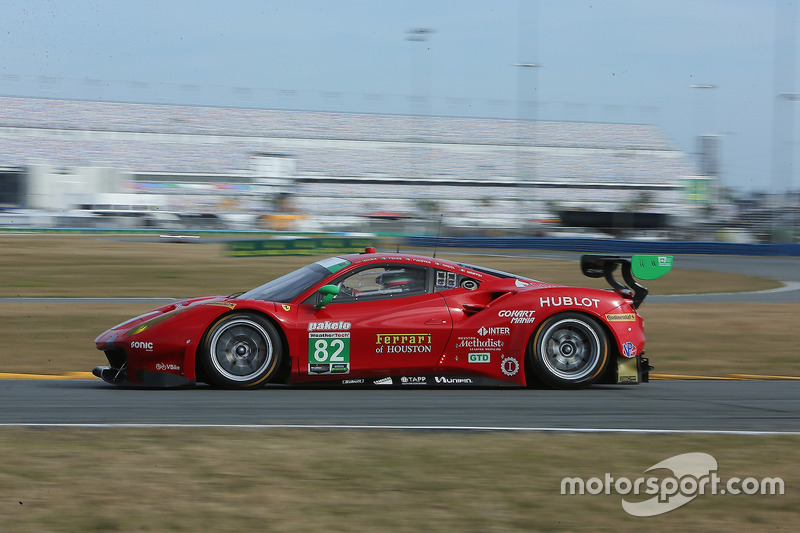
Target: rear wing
638 266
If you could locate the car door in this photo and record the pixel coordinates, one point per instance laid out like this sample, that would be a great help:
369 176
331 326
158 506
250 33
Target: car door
386 320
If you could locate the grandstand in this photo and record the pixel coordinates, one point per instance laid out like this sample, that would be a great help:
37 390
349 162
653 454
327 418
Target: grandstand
497 172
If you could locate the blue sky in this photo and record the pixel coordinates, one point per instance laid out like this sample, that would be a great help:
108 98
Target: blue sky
604 60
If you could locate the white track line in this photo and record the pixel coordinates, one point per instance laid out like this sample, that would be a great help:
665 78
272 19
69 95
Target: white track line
403 428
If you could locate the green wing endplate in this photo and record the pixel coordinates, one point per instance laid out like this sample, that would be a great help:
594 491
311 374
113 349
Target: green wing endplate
651 266
640 266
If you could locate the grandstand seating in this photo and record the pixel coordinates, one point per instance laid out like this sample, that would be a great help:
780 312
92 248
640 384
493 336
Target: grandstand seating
144 138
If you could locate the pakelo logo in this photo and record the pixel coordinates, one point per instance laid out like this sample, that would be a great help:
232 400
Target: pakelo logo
142 345
693 474
483 331
328 326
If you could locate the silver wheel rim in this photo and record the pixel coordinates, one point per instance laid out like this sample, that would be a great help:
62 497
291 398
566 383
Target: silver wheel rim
241 349
570 349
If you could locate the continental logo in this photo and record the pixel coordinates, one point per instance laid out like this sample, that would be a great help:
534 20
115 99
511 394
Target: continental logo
622 317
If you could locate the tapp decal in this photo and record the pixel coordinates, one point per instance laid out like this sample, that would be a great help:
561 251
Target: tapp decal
403 343
558 301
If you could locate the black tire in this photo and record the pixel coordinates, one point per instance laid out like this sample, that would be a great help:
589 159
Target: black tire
241 351
569 351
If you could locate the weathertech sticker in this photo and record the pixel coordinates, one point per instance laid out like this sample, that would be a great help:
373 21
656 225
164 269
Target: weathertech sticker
329 352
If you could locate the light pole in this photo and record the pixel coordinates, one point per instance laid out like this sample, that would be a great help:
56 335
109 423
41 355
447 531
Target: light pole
526 124
423 83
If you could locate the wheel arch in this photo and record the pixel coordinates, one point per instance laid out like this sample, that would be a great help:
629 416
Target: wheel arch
285 370
613 345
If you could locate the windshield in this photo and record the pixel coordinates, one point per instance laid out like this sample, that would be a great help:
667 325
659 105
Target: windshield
287 288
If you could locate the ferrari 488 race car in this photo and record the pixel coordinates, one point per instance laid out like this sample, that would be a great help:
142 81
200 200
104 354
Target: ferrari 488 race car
373 319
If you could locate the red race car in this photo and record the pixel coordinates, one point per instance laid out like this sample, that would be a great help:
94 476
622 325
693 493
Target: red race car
374 319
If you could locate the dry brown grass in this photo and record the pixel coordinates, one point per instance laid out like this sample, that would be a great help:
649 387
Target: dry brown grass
246 480
110 266
720 339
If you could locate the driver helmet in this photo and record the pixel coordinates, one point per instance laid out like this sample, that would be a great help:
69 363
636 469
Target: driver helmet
396 280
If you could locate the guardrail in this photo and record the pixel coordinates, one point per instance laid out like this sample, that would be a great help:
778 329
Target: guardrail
604 246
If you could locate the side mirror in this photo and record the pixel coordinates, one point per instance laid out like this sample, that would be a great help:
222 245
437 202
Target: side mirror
328 293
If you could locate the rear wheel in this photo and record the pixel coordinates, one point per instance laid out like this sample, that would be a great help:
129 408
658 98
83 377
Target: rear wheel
241 351
569 350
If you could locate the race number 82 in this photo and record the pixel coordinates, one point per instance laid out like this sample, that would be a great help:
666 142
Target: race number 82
329 347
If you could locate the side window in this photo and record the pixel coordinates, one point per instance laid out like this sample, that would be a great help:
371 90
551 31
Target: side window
387 281
446 280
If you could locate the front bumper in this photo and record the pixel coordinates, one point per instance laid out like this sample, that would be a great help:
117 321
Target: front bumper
117 374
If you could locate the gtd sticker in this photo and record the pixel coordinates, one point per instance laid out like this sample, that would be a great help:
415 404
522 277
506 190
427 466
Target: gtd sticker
329 352
484 357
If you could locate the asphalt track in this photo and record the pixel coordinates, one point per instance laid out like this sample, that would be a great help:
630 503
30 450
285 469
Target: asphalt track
735 406
659 406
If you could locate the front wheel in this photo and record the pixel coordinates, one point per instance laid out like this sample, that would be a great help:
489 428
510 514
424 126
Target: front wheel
569 350
241 351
